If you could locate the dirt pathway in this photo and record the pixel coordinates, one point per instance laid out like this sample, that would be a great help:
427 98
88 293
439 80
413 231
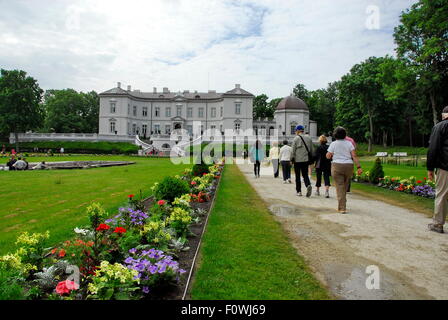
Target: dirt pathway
412 261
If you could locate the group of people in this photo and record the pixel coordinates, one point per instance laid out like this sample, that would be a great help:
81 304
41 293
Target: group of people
329 160
17 164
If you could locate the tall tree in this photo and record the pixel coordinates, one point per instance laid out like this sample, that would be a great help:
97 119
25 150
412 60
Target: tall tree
20 97
301 92
260 105
71 112
422 40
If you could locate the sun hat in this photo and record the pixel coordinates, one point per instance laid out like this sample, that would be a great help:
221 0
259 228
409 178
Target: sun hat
300 128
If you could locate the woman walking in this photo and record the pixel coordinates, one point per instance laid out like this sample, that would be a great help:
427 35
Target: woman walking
323 167
285 160
256 156
274 154
343 154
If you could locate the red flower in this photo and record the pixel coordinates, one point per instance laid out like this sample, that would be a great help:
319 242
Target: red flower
61 253
102 227
161 202
424 178
419 181
54 250
131 196
204 174
119 230
193 183
66 286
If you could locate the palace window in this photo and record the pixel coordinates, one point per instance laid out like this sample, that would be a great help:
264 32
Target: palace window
168 112
129 109
112 127
134 112
167 129
190 113
190 129
134 128
144 130
238 108
179 111
213 112
157 128
112 107
222 111
237 126
201 113
157 112
145 111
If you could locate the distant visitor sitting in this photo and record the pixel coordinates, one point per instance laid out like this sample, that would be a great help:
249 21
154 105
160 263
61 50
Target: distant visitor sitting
40 166
20 164
11 163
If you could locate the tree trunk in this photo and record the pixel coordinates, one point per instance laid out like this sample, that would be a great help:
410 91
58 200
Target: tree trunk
432 97
16 135
371 131
393 139
384 138
411 143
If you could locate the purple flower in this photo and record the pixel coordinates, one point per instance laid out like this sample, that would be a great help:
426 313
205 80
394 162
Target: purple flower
133 251
145 290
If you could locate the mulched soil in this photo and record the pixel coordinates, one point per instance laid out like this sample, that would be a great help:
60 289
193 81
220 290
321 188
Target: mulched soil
185 258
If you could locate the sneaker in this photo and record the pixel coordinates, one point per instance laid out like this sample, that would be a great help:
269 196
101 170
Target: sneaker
289 181
317 193
435 227
309 189
327 194
299 194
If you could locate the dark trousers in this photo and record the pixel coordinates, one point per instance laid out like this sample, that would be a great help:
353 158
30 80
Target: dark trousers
257 165
275 163
326 174
301 168
286 170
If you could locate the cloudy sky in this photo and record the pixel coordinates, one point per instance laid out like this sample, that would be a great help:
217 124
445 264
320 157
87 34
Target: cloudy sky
268 46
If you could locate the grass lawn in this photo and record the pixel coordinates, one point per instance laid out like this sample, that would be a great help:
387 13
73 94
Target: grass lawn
55 200
245 253
407 201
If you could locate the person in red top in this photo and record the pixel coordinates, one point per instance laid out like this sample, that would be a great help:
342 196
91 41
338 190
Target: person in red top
354 145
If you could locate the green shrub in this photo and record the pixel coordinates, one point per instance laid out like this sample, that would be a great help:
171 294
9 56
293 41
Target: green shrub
200 169
170 188
10 288
102 147
376 173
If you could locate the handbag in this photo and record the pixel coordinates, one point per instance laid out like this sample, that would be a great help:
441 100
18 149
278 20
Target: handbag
310 155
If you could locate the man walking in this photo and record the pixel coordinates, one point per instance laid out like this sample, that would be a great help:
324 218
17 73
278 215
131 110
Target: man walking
302 148
437 158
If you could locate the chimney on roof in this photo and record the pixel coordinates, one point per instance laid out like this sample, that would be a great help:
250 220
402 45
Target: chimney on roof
165 90
154 90
238 86
211 91
129 88
118 84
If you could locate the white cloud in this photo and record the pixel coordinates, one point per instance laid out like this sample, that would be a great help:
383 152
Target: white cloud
268 46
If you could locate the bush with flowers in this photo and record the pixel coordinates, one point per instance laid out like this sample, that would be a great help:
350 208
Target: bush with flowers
119 257
114 281
423 188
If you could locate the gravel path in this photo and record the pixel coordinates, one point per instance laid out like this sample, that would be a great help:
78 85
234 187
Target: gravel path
413 262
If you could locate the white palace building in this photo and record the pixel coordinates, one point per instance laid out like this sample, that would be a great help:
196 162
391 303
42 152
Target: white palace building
154 118
156 115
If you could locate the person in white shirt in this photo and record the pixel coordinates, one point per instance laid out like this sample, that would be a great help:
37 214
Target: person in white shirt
274 154
285 161
20 164
343 154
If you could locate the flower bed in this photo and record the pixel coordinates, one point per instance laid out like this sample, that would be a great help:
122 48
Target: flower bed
423 188
140 253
